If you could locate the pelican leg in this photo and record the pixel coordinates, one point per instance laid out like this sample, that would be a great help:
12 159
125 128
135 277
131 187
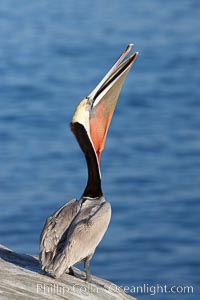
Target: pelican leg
87 268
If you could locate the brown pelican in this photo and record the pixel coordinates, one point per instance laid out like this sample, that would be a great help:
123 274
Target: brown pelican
73 232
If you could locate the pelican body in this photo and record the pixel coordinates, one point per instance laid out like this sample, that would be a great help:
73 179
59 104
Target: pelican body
72 233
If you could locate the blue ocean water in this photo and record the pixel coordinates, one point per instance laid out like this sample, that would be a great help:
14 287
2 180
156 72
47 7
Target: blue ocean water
52 54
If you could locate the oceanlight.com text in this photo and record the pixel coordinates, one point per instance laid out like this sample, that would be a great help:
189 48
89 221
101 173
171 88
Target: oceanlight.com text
147 289
152 290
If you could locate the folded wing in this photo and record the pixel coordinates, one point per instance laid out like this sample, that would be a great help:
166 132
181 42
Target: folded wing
82 238
54 228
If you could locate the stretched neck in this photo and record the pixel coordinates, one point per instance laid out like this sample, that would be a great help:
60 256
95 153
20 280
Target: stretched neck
93 187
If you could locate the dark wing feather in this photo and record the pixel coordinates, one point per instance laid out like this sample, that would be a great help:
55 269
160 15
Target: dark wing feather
54 229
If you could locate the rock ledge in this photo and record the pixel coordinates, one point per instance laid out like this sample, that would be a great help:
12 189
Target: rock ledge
20 279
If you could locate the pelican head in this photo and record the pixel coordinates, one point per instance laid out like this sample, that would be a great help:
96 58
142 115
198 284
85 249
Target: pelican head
93 115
